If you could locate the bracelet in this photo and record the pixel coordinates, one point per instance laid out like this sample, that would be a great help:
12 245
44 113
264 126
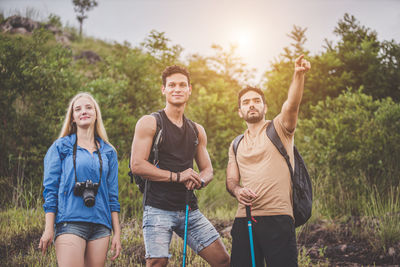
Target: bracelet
178 176
170 176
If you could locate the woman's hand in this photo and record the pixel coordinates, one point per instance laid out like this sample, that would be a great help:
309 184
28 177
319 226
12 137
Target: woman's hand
46 239
48 234
115 246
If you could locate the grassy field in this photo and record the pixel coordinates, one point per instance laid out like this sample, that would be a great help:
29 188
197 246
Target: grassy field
371 238
22 228
366 239
376 234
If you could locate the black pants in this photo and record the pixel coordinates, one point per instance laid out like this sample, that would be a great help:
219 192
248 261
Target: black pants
274 240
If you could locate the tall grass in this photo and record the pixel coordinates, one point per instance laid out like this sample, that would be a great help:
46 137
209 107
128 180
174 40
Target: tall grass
17 189
383 218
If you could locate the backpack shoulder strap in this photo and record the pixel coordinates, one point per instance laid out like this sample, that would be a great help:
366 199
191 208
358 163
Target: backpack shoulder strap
274 137
156 141
236 142
196 131
157 136
193 126
154 150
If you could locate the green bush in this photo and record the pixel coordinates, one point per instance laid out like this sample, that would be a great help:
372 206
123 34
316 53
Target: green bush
36 81
352 143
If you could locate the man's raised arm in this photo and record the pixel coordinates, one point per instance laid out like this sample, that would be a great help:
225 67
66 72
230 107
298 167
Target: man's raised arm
290 108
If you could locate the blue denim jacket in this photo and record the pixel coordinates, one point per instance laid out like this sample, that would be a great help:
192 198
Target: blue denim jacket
59 181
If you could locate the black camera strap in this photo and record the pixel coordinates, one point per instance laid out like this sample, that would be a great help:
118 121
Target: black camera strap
98 153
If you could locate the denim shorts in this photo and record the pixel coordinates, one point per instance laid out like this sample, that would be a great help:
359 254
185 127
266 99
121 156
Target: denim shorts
159 224
86 230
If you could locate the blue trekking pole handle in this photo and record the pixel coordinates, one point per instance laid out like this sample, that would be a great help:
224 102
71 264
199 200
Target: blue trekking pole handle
186 226
249 225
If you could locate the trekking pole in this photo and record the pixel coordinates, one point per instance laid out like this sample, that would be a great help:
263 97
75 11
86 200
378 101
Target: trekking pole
248 215
186 226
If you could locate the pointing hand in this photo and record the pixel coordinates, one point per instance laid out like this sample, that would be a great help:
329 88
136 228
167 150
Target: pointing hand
301 65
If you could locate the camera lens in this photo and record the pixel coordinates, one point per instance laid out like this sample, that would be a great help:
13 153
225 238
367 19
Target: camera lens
88 197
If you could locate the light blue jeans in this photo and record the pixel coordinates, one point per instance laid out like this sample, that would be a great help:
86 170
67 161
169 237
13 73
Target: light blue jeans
159 224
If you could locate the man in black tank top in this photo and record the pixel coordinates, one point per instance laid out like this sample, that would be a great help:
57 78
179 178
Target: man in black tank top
168 181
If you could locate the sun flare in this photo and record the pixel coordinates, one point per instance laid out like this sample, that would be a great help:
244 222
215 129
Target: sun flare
241 38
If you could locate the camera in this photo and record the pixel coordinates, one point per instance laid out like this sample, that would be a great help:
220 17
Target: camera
88 191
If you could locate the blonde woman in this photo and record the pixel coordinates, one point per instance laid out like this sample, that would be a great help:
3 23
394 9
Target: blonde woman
81 189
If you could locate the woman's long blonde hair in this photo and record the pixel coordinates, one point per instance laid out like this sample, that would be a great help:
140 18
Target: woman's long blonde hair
69 127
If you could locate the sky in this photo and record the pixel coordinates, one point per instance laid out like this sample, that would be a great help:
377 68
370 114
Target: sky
258 27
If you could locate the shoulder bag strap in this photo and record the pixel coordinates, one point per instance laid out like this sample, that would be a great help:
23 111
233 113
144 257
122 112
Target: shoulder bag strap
274 137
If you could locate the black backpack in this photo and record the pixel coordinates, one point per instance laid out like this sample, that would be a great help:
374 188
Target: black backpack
142 183
302 189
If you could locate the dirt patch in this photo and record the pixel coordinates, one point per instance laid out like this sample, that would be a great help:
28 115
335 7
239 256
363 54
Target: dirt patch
337 243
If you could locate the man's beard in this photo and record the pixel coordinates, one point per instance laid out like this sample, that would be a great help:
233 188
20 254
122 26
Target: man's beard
253 119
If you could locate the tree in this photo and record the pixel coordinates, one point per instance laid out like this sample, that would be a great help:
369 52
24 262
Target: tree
357 59
81 7
280 75
299 37
228 64
160 48
365 61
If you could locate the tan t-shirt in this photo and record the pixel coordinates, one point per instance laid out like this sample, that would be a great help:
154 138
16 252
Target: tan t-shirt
264 170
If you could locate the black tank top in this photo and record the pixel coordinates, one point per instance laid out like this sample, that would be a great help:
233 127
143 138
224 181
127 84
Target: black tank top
176 154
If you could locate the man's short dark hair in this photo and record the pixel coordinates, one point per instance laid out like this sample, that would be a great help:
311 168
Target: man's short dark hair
249 88
170 70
